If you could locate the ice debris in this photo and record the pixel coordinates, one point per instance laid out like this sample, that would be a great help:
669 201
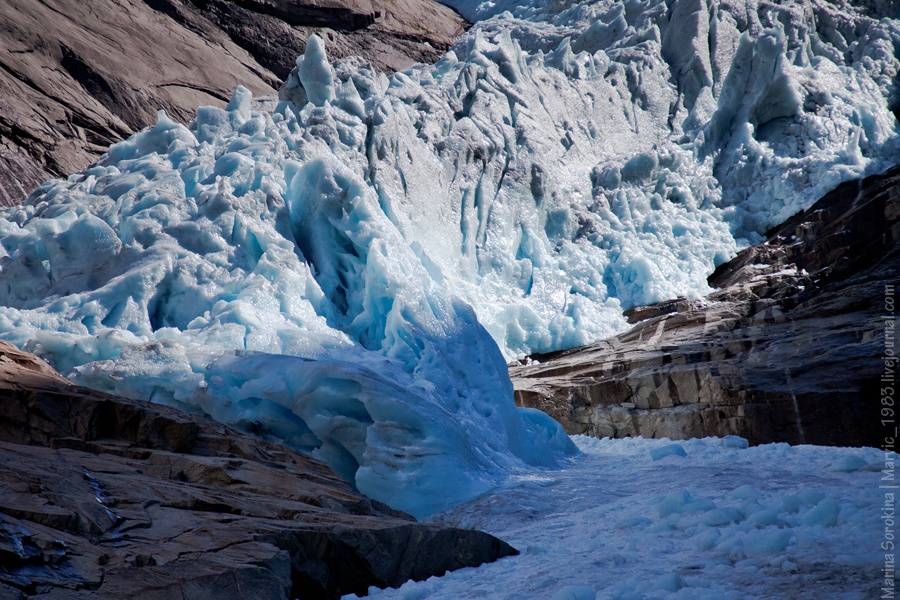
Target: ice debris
667 450
739 523
735 441
848 464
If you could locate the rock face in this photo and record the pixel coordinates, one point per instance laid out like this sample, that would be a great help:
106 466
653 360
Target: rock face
389 34
78 76
790 347
103 497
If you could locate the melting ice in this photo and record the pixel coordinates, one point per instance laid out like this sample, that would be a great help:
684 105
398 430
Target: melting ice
350 269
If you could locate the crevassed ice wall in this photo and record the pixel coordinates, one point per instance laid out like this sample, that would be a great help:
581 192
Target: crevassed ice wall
571 159
350 271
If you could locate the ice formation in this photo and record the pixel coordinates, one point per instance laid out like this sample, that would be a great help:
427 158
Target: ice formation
349 270
735 523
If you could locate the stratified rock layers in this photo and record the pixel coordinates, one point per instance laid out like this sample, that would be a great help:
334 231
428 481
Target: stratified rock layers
76 77
790 347
102 497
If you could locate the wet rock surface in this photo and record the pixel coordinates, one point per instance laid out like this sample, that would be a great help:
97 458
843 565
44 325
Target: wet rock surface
103 497
789 347
76 77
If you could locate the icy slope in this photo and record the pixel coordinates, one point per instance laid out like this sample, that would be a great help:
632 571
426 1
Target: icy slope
160 287
339 272
568 160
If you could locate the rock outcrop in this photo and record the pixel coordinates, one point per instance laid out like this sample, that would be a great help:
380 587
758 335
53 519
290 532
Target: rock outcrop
790 347
103 497
76 77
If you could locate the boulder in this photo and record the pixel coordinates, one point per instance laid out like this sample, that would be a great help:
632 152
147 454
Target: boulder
790 347
104 497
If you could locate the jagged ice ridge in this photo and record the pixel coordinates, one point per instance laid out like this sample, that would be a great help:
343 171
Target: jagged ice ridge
349 270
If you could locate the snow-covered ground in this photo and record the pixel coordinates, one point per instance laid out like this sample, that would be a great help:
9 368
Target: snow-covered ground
722 522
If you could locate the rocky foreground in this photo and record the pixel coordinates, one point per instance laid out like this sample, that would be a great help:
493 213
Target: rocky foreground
103 497
76 77
789 347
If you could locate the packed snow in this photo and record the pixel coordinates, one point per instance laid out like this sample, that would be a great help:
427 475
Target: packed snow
350 269
737 523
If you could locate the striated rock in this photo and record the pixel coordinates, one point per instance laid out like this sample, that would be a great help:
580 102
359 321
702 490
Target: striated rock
389 34
790 347
103 497
76 77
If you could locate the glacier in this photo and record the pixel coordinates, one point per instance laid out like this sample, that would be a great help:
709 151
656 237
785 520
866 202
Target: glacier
348 268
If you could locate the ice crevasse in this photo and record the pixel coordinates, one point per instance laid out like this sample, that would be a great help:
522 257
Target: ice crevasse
349 270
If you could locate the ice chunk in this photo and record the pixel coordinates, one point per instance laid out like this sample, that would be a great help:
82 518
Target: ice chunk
766 541
863 559
722 516
824 513
707 540
549 434
698 505
745 492
734 441
763 518
312 79
791 503
667 450
673 503
848 464
315 73
811 496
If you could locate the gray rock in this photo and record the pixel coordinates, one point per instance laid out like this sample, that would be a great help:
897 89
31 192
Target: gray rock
79 76
103 497
788 348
